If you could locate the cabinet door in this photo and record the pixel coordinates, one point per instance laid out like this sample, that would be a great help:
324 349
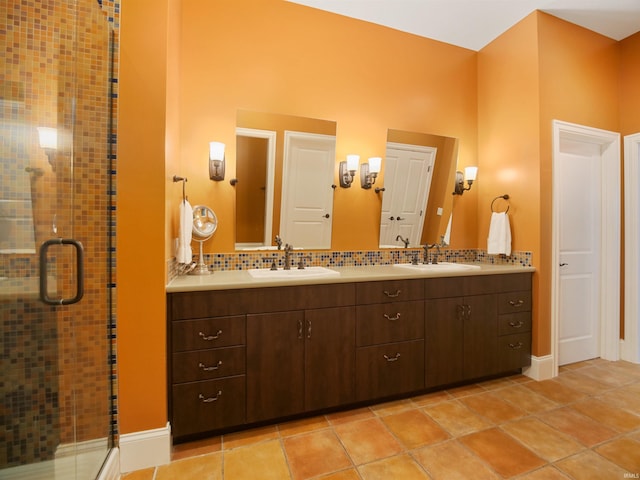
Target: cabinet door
329 357
480 336
275 365
444 341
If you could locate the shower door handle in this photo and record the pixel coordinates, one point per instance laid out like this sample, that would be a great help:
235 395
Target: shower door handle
79 272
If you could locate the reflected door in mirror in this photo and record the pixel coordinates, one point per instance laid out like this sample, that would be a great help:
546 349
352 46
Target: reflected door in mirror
408 173
307 193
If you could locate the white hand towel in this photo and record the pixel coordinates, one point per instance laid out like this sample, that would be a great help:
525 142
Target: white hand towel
184 254
499 240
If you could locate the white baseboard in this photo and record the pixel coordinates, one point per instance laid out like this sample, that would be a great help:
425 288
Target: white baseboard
149 448
111 468
541 368
629 351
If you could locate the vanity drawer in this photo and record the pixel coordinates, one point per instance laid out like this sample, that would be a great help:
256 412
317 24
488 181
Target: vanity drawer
389 291
208 333
209 405
389 322
391 369
208 364
514 302
514 351
511 323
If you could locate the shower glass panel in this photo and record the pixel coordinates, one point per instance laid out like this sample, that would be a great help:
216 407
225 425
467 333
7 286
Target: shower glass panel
55 239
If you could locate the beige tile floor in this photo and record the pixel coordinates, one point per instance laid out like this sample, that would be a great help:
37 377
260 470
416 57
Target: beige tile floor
584 424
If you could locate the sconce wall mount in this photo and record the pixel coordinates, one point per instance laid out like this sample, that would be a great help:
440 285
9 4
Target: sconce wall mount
470 173
216 161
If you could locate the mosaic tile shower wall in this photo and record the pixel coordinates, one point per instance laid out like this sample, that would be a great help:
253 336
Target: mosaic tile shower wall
55 370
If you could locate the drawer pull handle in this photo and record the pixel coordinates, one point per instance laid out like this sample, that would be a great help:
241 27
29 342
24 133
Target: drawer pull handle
299 329
516 303
208 338
393 319
210 368
392 359
516 324
308 328
210 399
516 346
392 295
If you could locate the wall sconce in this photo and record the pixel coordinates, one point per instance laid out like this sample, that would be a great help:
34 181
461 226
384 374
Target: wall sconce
348 170
470 173
48 140
369 172
216 161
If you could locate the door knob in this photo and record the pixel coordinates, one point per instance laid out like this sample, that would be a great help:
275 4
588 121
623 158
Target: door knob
564 264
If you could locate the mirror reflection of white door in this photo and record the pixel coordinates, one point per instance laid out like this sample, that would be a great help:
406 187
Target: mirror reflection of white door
307 192
408 172
579 201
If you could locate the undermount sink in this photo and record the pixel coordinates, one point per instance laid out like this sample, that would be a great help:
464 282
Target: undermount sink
438 267
307 272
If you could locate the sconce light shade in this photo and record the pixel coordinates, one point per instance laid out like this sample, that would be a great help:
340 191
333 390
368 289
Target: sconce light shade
347 170
216 161
369 172
48 138
471 174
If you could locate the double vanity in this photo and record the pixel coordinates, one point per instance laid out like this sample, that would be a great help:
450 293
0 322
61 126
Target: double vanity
252 347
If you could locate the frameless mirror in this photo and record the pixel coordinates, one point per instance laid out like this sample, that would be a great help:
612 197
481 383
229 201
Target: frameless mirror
419 172
284 180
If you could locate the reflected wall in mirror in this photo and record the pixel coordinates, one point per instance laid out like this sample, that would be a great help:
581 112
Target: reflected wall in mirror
419 172
284 171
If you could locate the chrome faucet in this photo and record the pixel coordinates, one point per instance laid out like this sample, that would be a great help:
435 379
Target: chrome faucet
287 256
279 242
403 240
437 246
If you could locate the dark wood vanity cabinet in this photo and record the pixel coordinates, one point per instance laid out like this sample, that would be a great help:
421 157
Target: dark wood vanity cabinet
253 355
476 326
299 361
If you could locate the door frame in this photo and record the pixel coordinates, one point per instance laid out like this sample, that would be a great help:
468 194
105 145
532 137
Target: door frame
609 241
630 346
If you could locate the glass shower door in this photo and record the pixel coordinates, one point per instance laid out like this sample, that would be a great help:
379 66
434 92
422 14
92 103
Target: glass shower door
55 239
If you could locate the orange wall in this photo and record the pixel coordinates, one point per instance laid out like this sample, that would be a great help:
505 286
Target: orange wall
315 64
629 81
140 254
542 69
509 141
273 56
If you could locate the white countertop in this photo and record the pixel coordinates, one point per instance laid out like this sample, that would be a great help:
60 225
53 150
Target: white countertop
231 279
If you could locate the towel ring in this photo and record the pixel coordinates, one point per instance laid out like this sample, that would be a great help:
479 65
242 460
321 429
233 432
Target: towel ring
505 197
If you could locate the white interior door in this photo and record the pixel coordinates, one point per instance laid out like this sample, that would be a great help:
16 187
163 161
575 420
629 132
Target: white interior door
585 290
408 173
631 345
307 193
578 168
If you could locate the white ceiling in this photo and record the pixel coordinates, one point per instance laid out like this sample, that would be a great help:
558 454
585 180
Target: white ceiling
475 23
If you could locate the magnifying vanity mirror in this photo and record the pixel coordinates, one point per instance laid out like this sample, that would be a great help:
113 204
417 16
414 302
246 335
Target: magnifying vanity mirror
419 170
284 175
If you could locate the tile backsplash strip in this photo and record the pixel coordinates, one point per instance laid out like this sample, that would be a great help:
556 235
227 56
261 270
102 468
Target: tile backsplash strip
355 258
